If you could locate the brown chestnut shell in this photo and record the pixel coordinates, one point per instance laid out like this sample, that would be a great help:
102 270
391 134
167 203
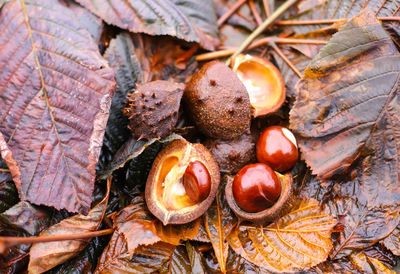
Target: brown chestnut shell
217 102
233 154
263 81
179 151
281 206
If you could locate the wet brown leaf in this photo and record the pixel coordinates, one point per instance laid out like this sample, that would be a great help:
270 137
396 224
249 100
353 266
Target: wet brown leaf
392 241
365 264
55 92
363 227
44 256
140 227
219 221
190 20
297 241
8 195
347 106
147 259
178 263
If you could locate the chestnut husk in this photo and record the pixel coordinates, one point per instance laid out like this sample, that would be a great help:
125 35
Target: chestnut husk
186 214
217 102
281 206
233 154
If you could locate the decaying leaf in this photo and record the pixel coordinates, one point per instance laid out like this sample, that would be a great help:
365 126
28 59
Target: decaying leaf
194 259
392 242
365 264
146 259
297 241
363 227
218 222
139 227
8 195
190 20
55 93
347 105
44 256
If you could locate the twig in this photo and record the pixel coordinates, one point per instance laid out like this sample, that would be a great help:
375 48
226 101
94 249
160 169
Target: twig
231 11
262 27
4 170
266 8
383 3
393 14
287 61
258 43
326 21
12 241
254 10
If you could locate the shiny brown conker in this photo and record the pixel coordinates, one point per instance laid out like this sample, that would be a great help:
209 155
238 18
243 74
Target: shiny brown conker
277 148
256 187
197 181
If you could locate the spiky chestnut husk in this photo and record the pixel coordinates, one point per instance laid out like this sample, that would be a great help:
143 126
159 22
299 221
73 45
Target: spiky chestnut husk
218 102
153 109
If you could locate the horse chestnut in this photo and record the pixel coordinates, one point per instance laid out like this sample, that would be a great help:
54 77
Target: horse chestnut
256 188
277 148
197 181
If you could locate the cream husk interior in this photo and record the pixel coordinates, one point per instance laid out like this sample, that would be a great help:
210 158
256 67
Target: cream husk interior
170 189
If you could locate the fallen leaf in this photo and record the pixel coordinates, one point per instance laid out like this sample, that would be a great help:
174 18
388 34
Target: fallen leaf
45 256
194 259
363 227
55 92
392 242
178 263
147 259
297 241
347 105
8 195
189 20
218 222
140 227
364 264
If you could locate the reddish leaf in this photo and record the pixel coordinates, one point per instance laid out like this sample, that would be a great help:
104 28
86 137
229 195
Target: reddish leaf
146 259
392 242
191 20
44 256
55 92
139 227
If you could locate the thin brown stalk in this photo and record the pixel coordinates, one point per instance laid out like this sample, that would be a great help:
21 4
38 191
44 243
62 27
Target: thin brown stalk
261 28
398 8
6 242
326 21
287 61
381 6
258 43
266 8
255 12
4 170
231 11
366 4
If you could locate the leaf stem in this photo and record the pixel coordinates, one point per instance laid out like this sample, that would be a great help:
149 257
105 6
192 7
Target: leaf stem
257 43
266 8
12 241
326 21
231 11
287 61
261 28
4 170
255 12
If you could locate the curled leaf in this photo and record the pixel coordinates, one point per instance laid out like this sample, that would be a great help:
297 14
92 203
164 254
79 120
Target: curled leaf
44 256
297 241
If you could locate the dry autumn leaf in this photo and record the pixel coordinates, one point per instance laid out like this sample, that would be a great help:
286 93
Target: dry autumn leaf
190 20
55 92
44 256
297 241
